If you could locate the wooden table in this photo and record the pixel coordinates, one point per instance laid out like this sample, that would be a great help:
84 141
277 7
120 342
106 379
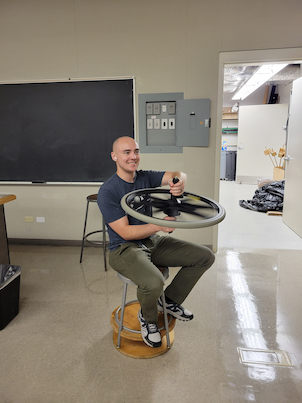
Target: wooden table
4 251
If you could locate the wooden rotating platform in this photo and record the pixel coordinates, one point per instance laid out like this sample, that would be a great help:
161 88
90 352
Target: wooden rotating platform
132 344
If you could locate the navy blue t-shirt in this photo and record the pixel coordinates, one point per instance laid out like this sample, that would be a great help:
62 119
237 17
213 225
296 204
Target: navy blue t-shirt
111 193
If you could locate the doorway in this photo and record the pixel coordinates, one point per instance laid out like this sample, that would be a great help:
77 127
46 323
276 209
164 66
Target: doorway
290 55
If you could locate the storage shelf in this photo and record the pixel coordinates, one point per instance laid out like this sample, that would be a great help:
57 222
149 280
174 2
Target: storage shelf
230 130
230 116
227 114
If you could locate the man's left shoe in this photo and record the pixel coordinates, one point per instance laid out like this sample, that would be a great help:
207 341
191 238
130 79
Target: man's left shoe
175 310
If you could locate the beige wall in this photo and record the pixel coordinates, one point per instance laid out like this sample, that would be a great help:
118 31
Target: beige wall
167 45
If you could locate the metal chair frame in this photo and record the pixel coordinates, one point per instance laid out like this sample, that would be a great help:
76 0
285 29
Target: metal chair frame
93 199
121 309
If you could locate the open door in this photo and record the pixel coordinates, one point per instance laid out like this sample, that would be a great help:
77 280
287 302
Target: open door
292 212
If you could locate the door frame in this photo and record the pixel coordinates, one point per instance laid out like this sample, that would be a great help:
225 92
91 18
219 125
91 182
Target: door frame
245 57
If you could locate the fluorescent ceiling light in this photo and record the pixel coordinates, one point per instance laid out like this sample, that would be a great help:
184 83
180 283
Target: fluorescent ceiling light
261 75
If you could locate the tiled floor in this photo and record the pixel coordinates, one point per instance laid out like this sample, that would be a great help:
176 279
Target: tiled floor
59 348
250 229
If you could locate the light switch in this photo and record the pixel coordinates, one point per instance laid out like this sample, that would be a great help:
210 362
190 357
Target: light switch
172 123
156 124
149 124
149 108
171 108
156 109
164 123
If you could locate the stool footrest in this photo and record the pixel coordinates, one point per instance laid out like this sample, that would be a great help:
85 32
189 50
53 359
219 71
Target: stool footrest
138 349
92 241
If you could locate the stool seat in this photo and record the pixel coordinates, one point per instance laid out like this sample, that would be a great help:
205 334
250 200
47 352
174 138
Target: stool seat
126 327
93 199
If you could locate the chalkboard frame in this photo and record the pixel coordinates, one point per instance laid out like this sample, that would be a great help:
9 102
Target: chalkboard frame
61 131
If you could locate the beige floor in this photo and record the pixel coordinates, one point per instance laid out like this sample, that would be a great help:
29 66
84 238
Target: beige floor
59 348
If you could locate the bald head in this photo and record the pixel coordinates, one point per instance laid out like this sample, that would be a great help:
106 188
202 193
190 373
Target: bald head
122 142
125 153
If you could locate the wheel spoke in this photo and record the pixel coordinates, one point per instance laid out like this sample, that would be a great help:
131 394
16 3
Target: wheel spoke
190 210
197 214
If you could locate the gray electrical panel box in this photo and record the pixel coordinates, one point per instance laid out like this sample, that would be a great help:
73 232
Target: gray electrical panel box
167 122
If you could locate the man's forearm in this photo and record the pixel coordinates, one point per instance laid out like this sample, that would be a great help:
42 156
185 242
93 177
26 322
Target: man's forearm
136 232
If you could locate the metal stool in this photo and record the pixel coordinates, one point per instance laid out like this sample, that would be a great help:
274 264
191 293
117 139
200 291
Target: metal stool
93 199
134 333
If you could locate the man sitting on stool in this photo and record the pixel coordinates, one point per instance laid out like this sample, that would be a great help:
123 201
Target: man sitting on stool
136 249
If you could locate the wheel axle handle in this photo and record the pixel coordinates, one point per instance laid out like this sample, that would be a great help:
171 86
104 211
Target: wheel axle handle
172 210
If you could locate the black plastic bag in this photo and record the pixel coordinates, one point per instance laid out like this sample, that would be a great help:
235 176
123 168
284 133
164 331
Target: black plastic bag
7 272
268 197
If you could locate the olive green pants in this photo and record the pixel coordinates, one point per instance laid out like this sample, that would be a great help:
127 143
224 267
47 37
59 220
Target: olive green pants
139 262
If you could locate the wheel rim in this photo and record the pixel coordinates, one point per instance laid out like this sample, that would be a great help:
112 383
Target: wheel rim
190 210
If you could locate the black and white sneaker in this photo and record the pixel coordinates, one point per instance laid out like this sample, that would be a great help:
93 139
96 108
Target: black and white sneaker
176 310
149 331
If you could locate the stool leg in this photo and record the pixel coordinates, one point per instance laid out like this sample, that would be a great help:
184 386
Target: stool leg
85 223
120 328
104 243
163 299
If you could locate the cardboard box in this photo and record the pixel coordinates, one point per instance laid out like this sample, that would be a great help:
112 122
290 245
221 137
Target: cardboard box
262 182
279 174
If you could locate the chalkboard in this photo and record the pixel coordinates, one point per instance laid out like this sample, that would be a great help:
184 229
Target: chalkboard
63 131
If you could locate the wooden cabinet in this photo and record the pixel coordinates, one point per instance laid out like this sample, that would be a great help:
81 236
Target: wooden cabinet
4 252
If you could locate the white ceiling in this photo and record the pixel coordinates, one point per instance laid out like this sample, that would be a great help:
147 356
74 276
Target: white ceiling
236 76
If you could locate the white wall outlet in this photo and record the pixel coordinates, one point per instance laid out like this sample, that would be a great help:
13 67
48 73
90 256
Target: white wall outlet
29 219
40 219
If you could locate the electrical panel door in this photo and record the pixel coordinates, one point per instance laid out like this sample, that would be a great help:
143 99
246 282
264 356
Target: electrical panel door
193 122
